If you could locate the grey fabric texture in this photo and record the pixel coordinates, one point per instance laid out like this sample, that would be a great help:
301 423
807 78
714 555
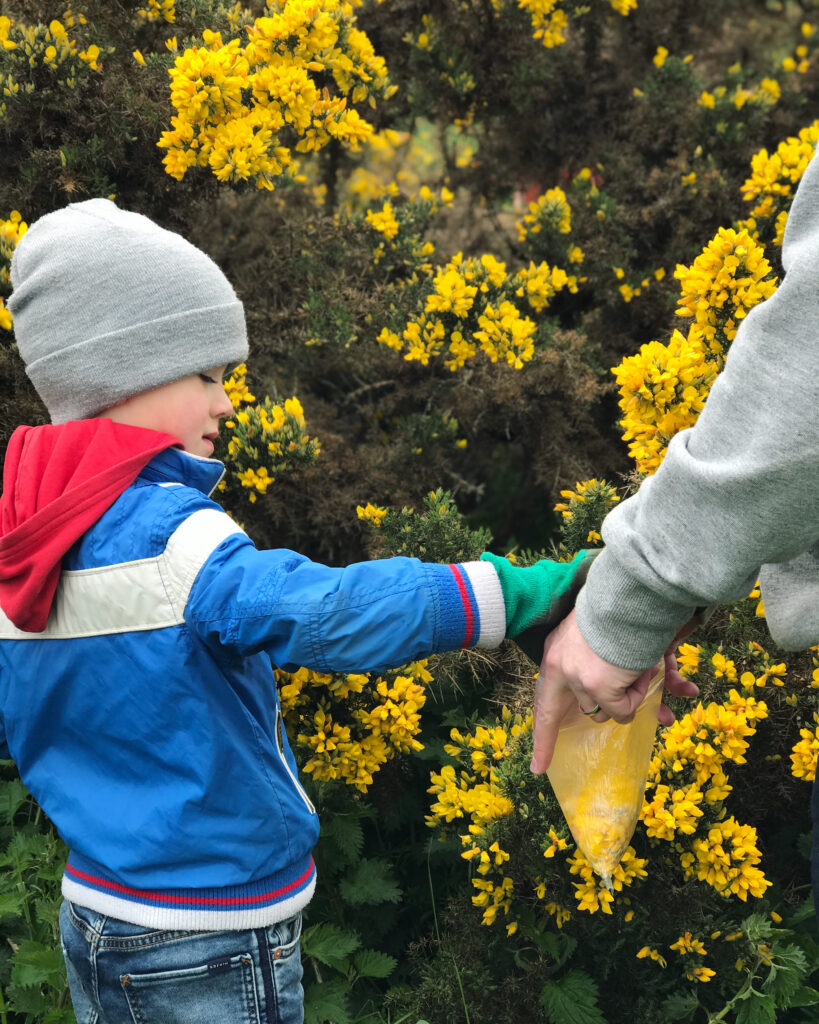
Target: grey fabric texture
107 304
736 497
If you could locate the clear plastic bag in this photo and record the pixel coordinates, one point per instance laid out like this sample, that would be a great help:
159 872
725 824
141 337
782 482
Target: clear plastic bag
598 774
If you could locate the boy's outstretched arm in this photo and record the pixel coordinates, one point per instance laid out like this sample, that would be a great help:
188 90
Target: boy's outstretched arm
368 616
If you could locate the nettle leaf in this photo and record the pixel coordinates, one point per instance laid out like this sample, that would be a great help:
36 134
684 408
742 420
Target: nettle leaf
347 835
32 1002
371 963
12 797
370 882
60 1015
47 908
680 1007
571 999
784 985
804 845
759 1009
25 849
11 905
805 996
791 957
327 1001
54 869
36 964
329 944
757 927
804 912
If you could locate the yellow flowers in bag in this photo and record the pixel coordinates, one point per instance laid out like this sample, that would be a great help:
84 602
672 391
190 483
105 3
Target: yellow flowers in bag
598 774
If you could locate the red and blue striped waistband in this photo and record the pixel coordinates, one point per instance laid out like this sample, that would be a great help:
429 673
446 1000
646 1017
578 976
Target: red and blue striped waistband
252 905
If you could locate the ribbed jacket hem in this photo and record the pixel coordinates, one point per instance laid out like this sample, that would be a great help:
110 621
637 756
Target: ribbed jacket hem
488 596
254 905
472 612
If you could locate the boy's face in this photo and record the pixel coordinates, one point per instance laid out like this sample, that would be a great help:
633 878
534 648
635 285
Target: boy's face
189 409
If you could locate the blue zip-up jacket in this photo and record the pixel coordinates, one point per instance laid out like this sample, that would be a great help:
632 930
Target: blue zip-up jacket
144 718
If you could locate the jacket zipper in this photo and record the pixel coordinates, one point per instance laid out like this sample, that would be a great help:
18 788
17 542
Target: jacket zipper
280 746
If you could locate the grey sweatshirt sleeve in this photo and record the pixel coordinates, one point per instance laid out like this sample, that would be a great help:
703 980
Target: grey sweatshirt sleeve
738 490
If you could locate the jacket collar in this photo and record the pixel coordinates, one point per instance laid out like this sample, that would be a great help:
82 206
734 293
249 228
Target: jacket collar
173 465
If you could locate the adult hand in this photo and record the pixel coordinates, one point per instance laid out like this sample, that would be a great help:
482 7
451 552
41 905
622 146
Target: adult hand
574 679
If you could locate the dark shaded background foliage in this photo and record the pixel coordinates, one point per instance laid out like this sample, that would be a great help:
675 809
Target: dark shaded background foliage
539 116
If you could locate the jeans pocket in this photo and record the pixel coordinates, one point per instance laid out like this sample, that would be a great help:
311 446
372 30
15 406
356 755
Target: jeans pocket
284 950
284 937
216 992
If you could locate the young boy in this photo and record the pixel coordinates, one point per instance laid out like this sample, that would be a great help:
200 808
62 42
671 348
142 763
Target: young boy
139 624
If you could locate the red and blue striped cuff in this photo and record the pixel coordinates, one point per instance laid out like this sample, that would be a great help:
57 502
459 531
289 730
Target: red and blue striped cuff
253 905
479 611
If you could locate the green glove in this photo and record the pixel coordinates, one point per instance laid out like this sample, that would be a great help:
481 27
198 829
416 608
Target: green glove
539 596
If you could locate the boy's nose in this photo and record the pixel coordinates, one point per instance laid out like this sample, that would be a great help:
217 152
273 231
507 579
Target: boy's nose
224 406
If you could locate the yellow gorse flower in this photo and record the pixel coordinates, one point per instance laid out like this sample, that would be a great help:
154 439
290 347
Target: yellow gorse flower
266 440
236 387
723 284
686 776
767 671
31 49
549 213
726 858
688 659
663 389
493 897
805 753
549 20
591 894
688 944
157 10
347 726
475 795
774 177
593 491
472 308
383 221
233 100
648 952
371 513
11 231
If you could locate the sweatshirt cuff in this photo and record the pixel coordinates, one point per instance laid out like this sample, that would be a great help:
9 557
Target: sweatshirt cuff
474 612
624 621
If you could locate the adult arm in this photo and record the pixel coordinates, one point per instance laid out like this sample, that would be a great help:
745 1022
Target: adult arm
735 492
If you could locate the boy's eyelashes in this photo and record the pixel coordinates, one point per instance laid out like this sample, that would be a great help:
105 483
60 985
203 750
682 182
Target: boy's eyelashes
206 378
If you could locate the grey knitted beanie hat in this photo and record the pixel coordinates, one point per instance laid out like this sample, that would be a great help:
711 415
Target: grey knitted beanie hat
107 304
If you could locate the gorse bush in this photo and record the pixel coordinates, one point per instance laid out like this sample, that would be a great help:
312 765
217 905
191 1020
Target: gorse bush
447 224
687 803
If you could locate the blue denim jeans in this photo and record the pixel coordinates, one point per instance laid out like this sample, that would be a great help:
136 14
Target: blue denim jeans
124 974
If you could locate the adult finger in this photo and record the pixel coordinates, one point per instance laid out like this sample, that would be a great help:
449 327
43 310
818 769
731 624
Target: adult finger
678 686
665 716
599 717
676 683
553 701
623 707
